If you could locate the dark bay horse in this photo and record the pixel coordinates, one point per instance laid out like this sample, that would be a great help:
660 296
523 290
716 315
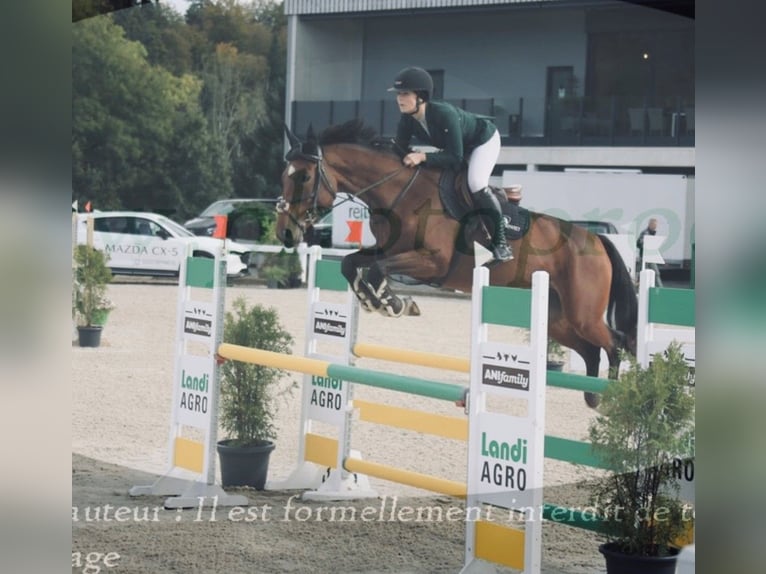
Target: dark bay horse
592 300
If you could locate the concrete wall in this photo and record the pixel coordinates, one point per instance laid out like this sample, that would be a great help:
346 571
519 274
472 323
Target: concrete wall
328 59
501 54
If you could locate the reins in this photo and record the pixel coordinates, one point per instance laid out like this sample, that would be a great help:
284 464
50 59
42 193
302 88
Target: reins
311 214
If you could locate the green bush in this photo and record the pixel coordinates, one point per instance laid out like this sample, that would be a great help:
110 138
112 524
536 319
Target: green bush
646 420
91 277
556 351
248 391
283 267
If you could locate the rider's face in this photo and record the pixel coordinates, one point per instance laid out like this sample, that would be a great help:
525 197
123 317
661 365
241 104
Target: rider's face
407 102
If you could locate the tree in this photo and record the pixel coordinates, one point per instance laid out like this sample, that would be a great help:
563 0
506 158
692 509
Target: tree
82 9
169 42
139 140
232 95
259 171
171 113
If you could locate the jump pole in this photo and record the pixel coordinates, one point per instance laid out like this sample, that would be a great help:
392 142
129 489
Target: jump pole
400 383
506 452
190 479
325 397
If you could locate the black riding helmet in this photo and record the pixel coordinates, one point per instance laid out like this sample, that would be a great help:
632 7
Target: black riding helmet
416 80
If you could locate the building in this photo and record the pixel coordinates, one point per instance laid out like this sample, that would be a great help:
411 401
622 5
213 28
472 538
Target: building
574 87
600 83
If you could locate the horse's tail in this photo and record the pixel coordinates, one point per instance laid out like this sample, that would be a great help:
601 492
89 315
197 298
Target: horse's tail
622 312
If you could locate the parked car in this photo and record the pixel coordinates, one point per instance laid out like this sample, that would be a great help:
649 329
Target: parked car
597 227
140 243
321 232
204 223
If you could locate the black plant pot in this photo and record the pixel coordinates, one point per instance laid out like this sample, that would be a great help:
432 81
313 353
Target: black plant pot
244 465
90 336
619 563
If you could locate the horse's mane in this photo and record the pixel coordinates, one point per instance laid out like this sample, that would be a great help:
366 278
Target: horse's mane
355 132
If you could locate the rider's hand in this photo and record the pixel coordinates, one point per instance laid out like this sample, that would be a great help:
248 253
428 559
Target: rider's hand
414 158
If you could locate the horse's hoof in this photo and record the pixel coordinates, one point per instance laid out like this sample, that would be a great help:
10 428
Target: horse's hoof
592 399
411 308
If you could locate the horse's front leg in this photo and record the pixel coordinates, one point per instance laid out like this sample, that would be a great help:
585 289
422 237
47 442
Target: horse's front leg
353 267
418 264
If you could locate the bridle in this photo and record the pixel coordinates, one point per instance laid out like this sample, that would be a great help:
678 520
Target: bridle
312 213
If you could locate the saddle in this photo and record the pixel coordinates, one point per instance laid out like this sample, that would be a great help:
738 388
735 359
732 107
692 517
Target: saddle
456 199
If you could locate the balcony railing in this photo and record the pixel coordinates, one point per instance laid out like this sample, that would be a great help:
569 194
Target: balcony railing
531 122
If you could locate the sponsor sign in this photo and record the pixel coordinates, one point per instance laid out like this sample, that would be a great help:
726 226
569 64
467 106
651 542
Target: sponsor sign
195 391
351 223
326 399
506 369
330 321
505 446
198 321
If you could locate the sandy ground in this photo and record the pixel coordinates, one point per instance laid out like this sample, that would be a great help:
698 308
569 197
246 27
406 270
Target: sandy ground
121 409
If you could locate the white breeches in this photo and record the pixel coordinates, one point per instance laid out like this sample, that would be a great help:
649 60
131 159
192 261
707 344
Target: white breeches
481 163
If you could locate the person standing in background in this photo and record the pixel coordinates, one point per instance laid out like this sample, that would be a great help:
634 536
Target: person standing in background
651 229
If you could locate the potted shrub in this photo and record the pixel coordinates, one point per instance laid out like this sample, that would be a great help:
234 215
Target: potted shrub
282 270
294 269
91 277
274 274
646 420
247 395
556 356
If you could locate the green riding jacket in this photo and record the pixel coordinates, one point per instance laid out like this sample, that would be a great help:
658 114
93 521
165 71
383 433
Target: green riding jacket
452 130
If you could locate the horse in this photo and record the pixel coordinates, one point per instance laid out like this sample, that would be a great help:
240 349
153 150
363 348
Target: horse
592 299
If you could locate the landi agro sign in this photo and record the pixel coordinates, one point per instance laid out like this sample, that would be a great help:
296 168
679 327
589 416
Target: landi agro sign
325 398
351 223
194 396
505 459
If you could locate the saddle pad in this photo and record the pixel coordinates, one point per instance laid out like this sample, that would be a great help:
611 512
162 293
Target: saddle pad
455 198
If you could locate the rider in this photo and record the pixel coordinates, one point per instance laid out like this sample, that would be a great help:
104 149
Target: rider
457 134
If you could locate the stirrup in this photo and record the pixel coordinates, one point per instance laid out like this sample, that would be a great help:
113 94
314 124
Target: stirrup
502 253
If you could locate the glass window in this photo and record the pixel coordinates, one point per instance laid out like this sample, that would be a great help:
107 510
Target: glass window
145 227
111 224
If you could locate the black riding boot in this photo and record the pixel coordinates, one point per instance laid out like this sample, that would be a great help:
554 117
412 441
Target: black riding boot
492 213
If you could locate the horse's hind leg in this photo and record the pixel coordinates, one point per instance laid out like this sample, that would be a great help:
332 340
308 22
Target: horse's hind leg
561 331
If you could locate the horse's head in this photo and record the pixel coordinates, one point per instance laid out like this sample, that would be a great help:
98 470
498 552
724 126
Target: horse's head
306 188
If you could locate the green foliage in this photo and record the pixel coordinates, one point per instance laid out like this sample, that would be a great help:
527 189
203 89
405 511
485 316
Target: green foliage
269 235
247 390
274 273
91 276
163 33
170 113
251 221
283 267
262 150
139 140
556 352
646 420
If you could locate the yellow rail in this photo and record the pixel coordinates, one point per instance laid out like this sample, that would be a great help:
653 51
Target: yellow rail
418 421
420 358
408 477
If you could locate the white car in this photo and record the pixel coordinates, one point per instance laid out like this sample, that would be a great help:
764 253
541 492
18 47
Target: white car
140 243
